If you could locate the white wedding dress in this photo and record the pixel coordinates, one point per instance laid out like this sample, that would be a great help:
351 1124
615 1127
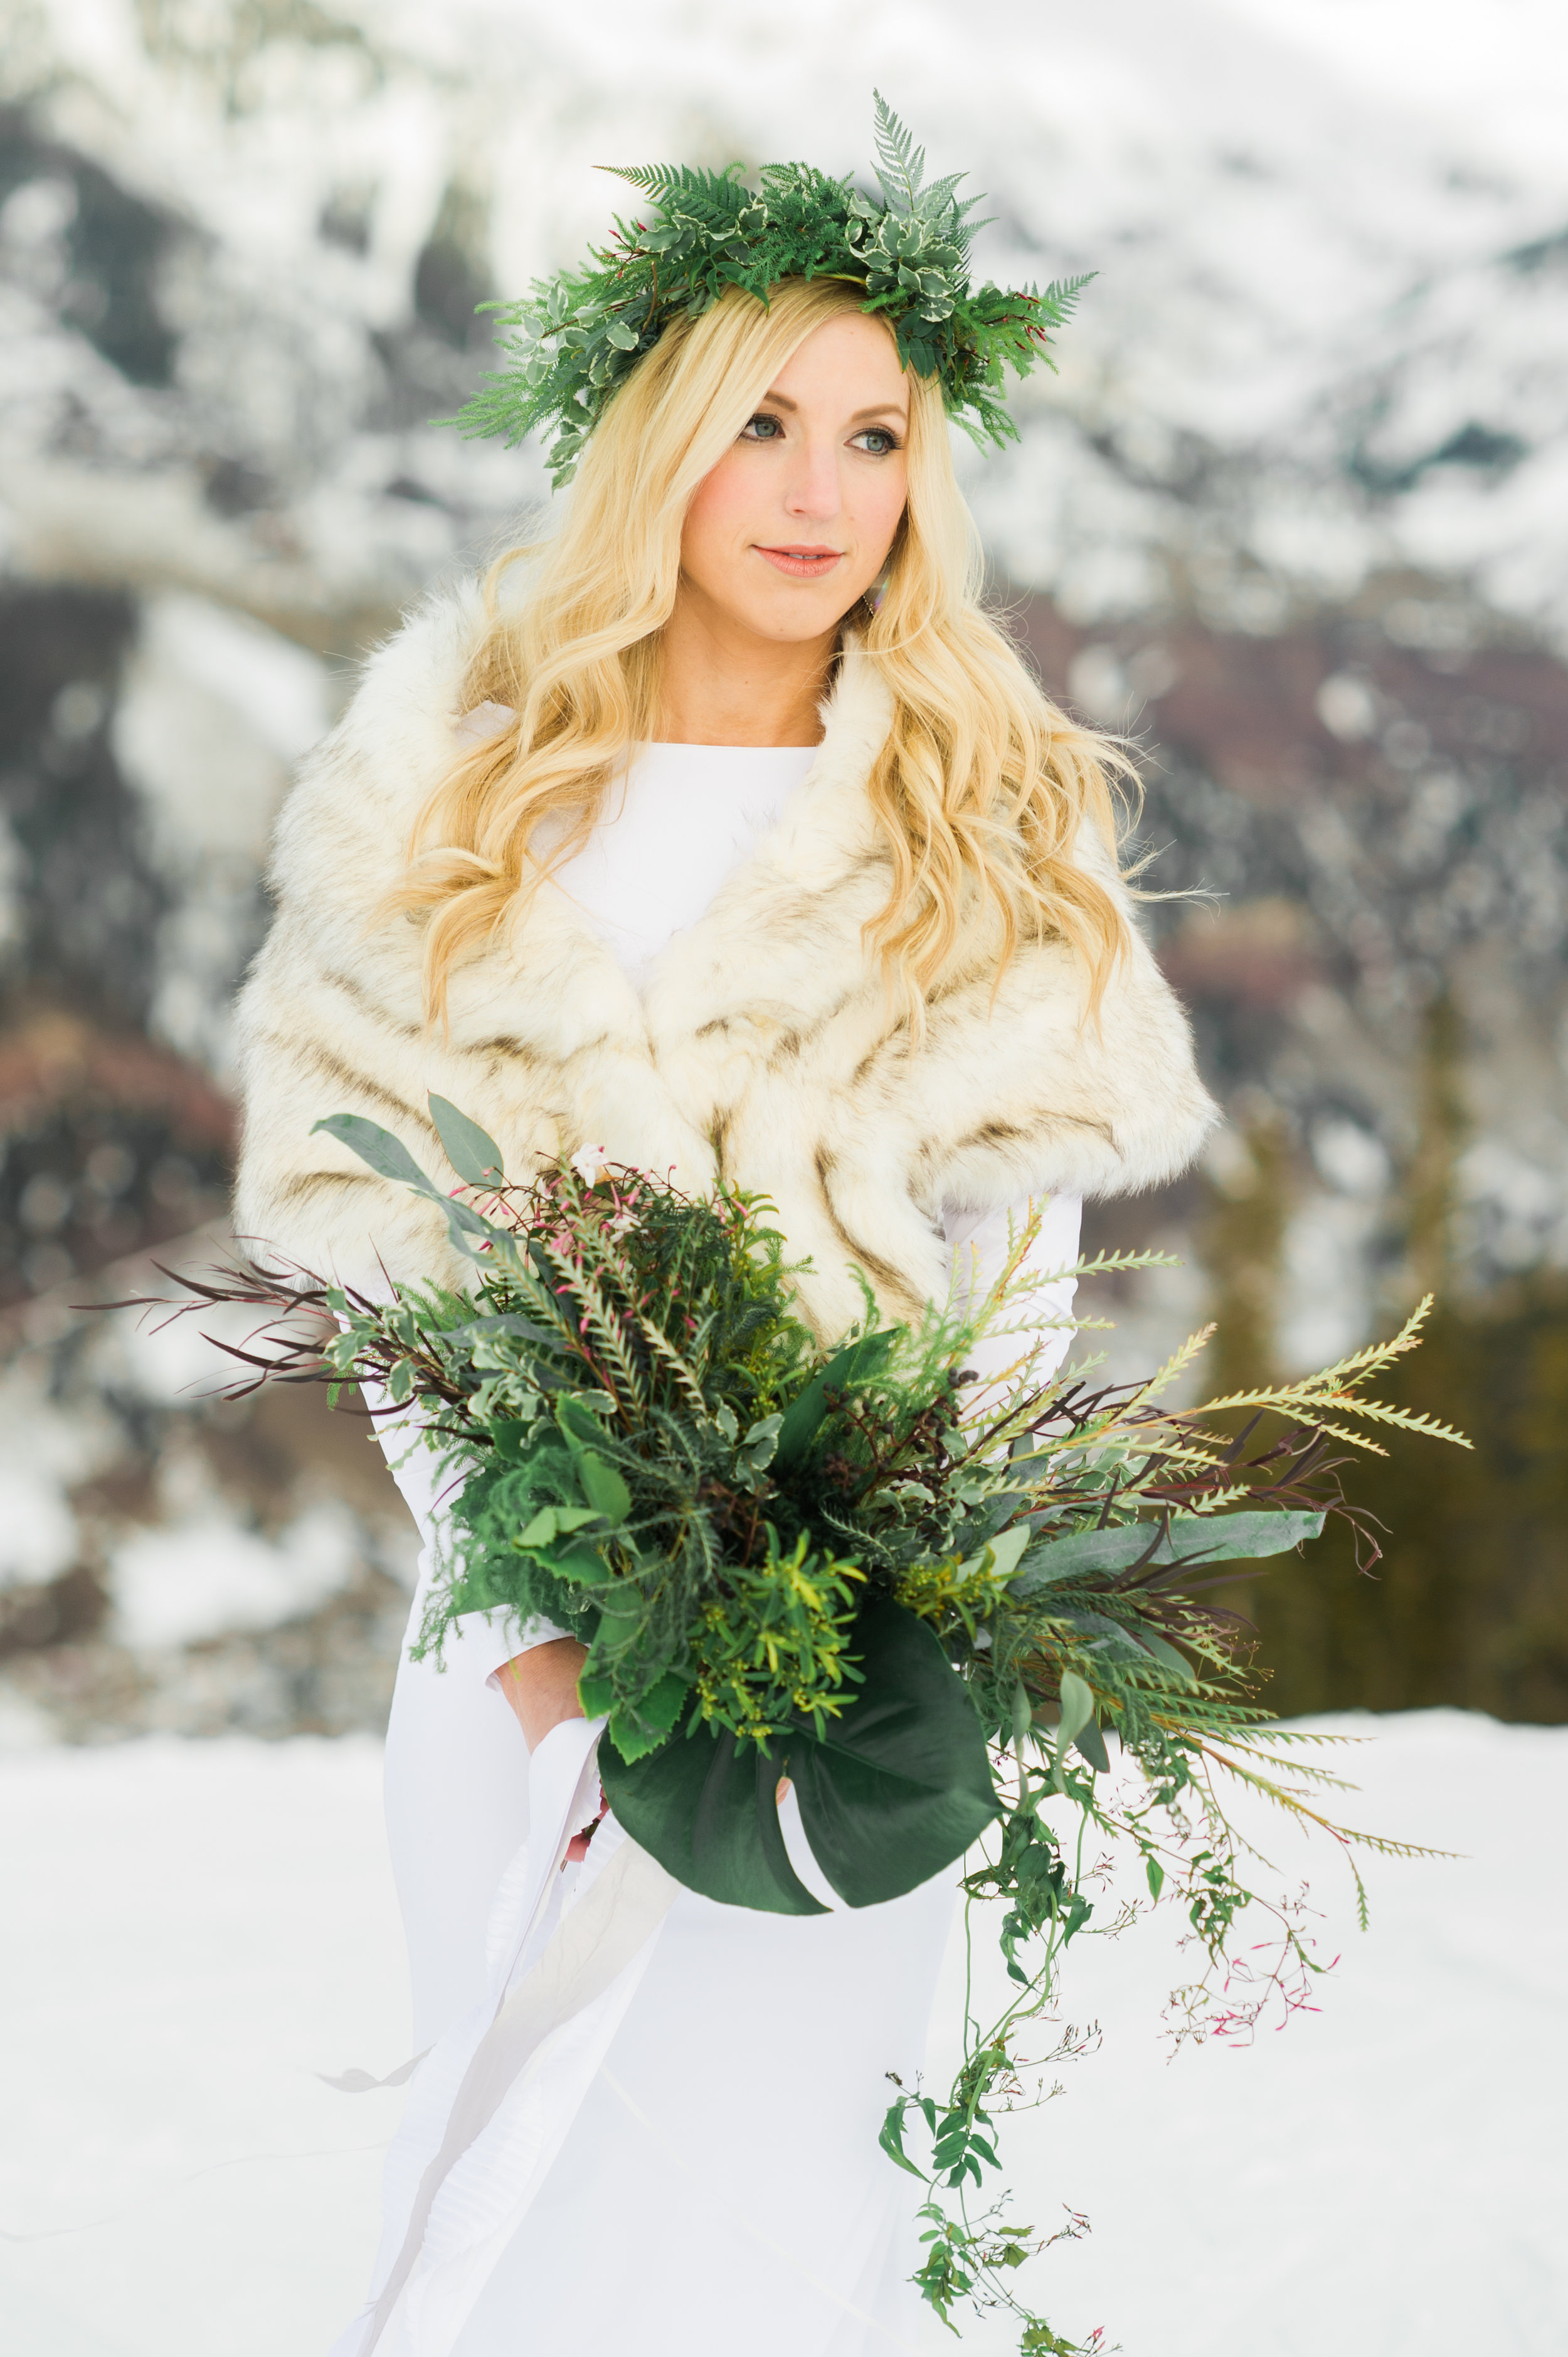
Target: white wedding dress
642 2121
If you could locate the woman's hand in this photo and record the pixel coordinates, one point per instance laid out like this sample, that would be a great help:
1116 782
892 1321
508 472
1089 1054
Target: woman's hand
541 1686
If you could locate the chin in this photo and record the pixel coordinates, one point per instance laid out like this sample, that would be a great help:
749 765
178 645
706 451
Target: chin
796 620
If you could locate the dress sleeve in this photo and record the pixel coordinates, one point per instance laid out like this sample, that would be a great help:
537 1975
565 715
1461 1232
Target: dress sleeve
493 1638
978 1241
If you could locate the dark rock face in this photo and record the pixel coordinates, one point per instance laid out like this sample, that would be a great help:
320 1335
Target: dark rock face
112 1146
1411 803
326 1670
115 244
85 896
110 1141
1380 824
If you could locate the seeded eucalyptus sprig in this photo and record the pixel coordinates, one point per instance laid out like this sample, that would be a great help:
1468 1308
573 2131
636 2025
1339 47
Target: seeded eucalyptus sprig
575 337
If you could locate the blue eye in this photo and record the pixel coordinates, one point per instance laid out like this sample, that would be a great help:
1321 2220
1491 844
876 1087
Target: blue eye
762 428
878 442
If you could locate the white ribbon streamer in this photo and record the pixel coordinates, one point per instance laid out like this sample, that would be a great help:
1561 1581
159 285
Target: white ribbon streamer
473 2148
589 1952
355 2081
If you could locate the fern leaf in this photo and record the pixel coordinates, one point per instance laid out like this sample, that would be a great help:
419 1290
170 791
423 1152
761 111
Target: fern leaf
1406 1419
900 164
1381 1843
1175 1365
937 197
1374 1356
713 198
683 1373
654 180
1061 295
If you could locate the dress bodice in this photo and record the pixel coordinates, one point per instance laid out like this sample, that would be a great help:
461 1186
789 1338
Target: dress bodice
676 825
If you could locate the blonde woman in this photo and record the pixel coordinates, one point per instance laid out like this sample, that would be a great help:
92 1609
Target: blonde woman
724 835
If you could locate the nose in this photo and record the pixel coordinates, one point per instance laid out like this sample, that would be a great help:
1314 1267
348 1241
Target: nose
813 492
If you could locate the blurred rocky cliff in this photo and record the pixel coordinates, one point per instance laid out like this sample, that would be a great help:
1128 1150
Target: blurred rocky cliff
1291 516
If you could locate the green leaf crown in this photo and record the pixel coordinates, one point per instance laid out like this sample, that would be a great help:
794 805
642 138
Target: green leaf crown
575 337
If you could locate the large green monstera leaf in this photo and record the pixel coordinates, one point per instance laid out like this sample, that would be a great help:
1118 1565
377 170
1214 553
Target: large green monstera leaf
895 1790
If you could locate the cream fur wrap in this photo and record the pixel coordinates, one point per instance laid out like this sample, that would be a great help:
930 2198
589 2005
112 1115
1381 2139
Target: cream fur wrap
765 1048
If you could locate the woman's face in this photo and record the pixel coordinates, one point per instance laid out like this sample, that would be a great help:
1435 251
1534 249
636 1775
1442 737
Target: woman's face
796 521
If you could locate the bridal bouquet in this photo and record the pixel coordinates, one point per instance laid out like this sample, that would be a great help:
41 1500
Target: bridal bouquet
925 1599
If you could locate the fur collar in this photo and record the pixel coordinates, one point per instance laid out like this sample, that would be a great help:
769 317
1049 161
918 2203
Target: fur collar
764 1046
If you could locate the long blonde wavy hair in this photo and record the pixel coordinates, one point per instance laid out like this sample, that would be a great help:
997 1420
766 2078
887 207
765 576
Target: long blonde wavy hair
981 787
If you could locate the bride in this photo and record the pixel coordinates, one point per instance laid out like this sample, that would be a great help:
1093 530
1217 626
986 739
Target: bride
724 836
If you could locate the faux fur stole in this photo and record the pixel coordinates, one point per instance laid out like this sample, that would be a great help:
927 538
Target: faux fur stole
764 1046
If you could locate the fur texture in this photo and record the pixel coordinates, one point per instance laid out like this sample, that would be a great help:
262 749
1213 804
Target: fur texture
765 1049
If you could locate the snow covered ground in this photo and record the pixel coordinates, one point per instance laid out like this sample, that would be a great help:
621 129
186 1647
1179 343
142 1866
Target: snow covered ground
1382 2179
195 1929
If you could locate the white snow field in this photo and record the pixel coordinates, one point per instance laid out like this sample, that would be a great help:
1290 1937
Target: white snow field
1385 2178
194 1930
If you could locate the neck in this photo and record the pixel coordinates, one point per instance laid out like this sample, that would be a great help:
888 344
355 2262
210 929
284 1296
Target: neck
722 685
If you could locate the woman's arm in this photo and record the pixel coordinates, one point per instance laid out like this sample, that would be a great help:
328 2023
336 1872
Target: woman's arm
541 1686
539 1678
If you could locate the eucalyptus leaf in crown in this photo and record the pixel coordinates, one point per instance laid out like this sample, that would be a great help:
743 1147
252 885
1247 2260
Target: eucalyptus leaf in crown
575 337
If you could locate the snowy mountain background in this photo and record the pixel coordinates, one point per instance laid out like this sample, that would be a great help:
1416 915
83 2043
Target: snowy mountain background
1293 510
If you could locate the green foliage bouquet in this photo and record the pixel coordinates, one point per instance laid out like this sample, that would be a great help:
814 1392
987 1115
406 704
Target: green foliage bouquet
926 1599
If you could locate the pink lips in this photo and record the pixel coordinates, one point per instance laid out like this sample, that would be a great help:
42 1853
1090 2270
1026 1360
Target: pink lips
803 564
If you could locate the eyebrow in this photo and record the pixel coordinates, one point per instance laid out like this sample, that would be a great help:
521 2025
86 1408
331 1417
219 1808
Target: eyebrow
877 408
